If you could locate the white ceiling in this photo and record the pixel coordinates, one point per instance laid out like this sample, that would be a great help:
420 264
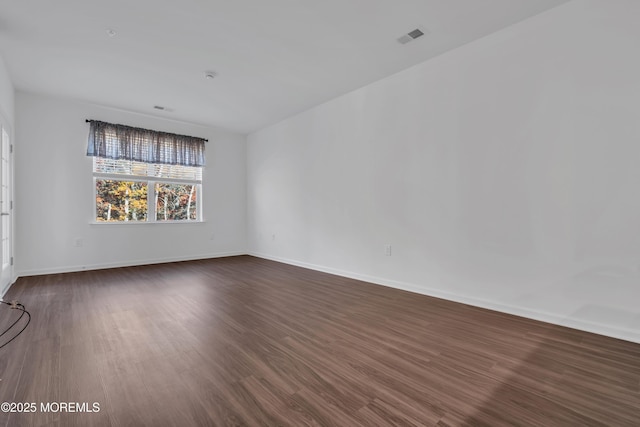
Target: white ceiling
274 58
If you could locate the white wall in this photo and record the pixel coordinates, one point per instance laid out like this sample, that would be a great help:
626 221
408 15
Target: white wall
6 94
54 194
504 174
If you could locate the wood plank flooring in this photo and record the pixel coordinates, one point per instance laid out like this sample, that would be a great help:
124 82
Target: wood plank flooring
246 341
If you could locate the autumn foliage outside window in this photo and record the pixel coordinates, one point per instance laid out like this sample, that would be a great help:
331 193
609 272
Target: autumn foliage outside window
121 200
135 190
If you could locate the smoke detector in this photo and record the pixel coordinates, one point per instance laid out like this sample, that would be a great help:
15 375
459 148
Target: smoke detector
210 75
410 36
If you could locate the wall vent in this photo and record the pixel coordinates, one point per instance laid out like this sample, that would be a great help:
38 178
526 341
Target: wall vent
410 36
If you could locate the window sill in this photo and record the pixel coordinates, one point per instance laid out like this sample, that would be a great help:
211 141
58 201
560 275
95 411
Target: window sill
131 223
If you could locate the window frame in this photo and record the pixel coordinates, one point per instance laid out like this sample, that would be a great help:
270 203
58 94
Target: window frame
151 195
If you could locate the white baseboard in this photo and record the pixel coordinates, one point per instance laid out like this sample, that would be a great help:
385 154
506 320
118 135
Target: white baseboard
6 288
133 263
13 279
580 324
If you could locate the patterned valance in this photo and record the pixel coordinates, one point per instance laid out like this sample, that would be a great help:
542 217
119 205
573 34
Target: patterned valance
113 141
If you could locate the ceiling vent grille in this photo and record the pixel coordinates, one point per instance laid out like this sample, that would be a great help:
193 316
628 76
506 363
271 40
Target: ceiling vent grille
410 36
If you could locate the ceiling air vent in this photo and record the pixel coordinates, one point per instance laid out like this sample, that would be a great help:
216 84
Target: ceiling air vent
410 36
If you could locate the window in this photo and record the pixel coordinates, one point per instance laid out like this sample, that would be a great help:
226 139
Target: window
134 191
140 187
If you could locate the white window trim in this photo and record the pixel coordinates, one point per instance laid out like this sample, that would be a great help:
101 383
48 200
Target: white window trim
151 191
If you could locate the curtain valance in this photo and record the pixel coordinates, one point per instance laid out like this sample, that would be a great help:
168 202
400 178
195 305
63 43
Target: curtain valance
114 141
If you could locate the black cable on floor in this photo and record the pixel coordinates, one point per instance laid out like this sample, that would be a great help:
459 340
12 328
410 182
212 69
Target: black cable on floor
13 324
19 307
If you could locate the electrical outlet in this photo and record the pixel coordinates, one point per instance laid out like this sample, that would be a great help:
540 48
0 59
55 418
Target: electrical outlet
78 242
273 237
387 250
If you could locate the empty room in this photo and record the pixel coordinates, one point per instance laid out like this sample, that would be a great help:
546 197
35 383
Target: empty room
320 213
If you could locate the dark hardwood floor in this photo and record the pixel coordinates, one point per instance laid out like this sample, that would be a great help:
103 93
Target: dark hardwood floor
245 341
